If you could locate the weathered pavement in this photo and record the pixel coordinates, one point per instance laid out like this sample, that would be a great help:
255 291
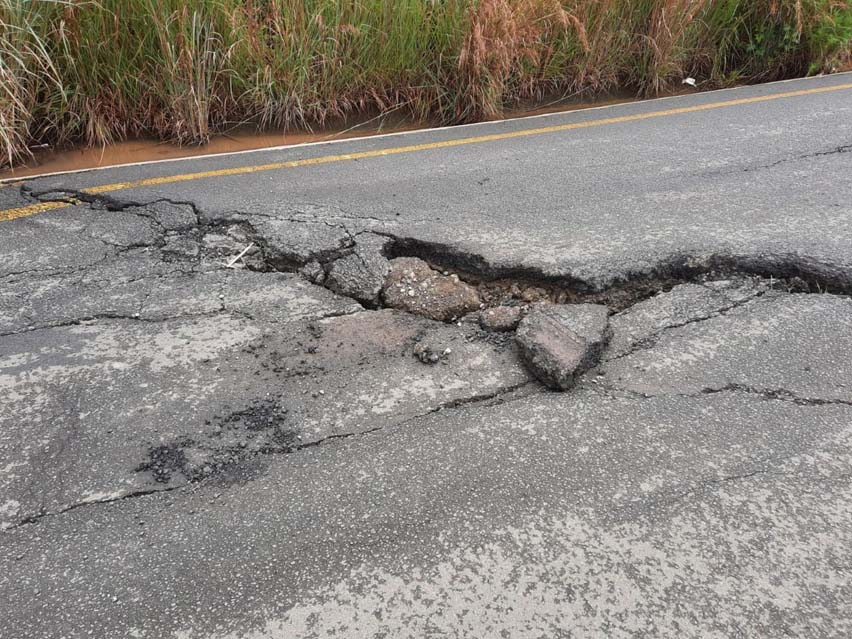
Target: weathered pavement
189 450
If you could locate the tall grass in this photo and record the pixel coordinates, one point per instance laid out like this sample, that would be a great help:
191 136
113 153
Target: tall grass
95 71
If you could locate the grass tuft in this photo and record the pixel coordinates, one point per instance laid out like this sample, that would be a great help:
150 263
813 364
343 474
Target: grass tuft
97 71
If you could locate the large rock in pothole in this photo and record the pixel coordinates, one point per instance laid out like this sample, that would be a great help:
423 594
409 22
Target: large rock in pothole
359 275
413 286
560 342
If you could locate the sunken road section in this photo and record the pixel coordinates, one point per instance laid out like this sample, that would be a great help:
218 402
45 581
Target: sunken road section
187 349
164 372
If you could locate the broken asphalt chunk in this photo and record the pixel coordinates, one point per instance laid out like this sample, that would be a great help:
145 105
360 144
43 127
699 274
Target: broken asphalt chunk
560 342
359 275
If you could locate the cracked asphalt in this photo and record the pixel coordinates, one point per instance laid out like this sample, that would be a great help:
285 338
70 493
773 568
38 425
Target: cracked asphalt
195 450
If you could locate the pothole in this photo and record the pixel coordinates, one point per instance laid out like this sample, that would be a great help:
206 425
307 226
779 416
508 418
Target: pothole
447 285
446 365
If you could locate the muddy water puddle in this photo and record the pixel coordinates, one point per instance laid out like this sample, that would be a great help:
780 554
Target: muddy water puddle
48 160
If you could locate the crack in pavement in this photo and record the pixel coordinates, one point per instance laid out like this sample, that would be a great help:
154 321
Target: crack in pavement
486 400
136 317
764 468
38 517
60 271
94 318
711 483
670 272
838 150
650 341
773 394
779 394
110 203
496 398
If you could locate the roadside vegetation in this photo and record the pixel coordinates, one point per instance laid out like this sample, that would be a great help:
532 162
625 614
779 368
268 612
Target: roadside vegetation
93 72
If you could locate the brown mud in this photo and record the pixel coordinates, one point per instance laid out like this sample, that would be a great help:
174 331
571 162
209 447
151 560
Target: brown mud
247 138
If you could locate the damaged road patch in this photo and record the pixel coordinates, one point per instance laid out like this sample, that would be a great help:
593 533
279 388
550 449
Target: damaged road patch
124 406
153 368
267 363
224 444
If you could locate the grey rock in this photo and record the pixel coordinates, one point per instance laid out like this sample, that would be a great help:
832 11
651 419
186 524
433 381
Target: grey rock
431 354
359 275
313 272
179 245
501 319
413 286
560 342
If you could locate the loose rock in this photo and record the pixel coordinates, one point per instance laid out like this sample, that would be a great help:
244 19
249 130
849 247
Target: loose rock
360 275
501 319
430 355
413 286
313 272
560 342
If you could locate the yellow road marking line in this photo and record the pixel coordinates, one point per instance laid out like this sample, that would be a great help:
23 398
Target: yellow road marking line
24 211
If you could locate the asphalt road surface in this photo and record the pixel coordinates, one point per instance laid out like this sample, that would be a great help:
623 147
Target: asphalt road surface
207 432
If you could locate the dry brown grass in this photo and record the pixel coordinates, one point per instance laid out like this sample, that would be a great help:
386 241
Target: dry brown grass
95 71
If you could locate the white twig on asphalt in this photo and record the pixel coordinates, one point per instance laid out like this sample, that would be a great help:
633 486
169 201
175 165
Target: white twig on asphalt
243 252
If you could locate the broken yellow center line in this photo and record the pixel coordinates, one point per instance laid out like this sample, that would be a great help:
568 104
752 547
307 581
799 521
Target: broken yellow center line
24 211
